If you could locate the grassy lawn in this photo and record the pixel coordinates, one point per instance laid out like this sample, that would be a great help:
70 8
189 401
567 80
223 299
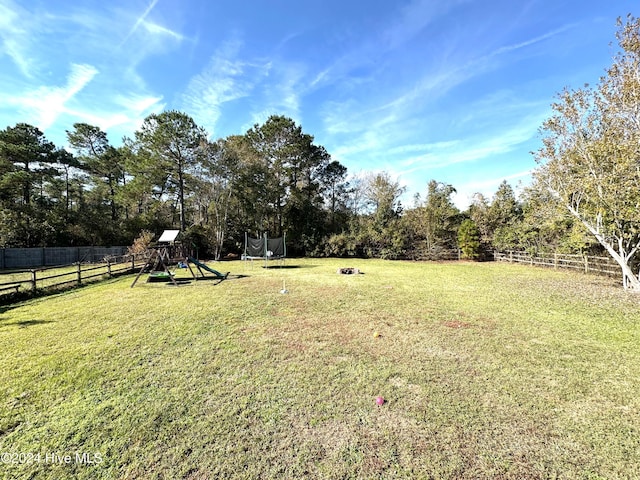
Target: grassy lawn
488 370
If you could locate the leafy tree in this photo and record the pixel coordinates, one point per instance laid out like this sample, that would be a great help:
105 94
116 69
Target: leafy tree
278 147
169 146
102 161
216 185
433 223
479 213
383 198
469 239
591 151
379 231
498 219
27 164
336 189
504 209
283 175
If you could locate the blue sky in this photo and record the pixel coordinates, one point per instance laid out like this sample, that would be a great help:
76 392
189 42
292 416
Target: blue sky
452 90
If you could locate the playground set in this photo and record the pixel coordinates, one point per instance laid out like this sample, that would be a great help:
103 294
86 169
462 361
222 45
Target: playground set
167 252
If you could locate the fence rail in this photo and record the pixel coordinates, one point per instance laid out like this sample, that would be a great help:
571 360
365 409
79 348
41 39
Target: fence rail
585 263
29 282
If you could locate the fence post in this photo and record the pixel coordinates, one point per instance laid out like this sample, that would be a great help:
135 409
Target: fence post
33 281
109 268
79 274
555 261
133 262
586 263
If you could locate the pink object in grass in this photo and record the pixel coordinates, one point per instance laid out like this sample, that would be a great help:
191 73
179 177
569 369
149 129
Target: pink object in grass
379 401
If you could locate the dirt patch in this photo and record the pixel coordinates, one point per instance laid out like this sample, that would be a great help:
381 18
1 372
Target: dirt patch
457 324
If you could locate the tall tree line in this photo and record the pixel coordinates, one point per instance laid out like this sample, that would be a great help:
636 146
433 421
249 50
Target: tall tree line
585 196
273 179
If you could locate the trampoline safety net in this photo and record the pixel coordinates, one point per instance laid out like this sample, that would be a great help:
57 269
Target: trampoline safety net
265 247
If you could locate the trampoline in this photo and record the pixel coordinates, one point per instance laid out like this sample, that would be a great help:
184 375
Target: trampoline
264 248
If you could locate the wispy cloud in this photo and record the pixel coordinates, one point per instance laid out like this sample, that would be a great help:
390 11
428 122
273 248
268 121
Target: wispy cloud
531 41
154 28
226 78
415 17
474 148
45 104
283 88
122 116
422 147
375 127
437 83
15 35
139 21
404 24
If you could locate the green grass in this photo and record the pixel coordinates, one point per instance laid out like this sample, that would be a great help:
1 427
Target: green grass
488 371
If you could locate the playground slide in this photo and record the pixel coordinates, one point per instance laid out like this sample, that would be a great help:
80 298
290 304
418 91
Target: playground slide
207 268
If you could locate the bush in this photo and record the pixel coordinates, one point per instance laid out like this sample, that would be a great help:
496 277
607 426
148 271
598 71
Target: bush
142 243
469 239
340 245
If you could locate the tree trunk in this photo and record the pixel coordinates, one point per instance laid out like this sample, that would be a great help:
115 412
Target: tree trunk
183 222
112 194
629 280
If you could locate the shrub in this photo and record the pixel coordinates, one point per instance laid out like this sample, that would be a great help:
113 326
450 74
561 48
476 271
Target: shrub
142 243
469 239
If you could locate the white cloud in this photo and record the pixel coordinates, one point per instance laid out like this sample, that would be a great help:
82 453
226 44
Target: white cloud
45 104
139 21
154 28
531 41
284 89
415 17
472 149
275 87
15 36
465 191
225 79
422 147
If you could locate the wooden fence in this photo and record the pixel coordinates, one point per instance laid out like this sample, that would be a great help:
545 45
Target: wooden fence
587 264
18 283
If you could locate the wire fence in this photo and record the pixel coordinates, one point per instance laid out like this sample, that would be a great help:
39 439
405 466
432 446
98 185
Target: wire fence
586 263
18 284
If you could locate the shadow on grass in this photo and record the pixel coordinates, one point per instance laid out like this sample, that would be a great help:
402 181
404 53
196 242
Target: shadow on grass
25 323
214 280
6 308
229 277
287 267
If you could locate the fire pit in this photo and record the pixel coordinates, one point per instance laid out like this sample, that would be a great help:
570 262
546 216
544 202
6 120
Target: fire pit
348 271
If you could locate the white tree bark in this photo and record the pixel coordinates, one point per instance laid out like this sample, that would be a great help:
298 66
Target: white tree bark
629 279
